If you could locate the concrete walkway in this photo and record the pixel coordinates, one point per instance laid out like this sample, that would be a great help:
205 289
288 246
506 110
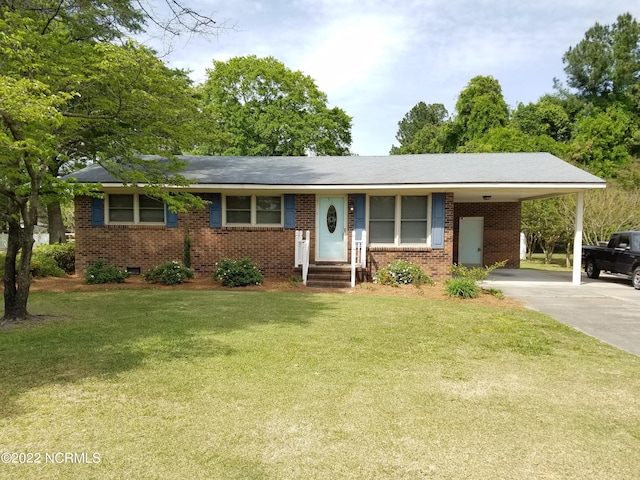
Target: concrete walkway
607 308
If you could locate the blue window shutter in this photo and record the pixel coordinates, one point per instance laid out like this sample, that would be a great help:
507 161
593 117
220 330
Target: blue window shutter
437 219
359 214
289 210
172 217
215 210
97 212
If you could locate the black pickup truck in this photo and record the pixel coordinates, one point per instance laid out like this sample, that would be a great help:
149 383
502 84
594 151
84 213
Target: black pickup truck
621 255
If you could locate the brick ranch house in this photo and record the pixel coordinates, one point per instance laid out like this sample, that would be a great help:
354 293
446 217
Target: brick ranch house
434 210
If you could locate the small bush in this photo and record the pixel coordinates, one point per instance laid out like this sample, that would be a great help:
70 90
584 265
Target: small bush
100 272
401 272
496 292
476 274
464 283
462 288
237 274
62 253
45 266
49 260
169 273
186 249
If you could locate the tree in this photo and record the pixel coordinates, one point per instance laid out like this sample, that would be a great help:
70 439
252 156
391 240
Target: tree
509 139
60 69
257 106
605 65
542 118
610 210
600 140
542 223
419 128
480 107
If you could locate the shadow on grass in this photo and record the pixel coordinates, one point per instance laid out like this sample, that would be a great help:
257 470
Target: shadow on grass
102 334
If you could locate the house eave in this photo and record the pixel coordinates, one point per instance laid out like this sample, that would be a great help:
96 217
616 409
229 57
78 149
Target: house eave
463 192
440 187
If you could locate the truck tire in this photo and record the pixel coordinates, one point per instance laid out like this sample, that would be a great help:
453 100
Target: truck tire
591 269
635 278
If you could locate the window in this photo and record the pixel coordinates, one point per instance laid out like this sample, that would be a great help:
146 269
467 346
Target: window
134 208
253 210
239 209
120 208
382 211
268 210
413 227
151 210
399 220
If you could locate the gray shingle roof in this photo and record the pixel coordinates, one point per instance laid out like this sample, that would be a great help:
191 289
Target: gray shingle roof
483 168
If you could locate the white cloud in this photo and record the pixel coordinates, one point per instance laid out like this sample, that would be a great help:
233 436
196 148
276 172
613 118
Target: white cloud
353 52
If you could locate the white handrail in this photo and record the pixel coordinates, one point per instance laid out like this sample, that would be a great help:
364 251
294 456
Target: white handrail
302 254
363 249
358 254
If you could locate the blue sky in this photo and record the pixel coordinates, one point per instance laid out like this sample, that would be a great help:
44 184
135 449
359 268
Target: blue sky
376 59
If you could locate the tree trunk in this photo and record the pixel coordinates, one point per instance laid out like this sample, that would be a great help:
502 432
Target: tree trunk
531 243
567 258
547 249
56 225
17 275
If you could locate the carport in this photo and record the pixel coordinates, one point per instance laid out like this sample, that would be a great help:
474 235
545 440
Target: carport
532 176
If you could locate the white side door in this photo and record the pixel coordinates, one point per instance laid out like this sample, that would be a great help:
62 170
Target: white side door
470 241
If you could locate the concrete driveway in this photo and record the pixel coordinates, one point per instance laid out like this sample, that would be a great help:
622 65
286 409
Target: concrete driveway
607 308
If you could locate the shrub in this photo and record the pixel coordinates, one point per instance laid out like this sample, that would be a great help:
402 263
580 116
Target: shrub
169 273
45 266
49 260
100 272
464 283
476 274
62 253
402 272
186 249
237 274
462 288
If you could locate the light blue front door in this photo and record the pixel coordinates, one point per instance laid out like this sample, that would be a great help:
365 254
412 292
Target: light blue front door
332 235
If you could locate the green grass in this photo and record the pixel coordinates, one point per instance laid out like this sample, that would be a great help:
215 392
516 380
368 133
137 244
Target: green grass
558 262
255 385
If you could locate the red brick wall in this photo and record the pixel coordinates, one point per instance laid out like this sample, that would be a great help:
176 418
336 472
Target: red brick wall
272 249
502 223
435 262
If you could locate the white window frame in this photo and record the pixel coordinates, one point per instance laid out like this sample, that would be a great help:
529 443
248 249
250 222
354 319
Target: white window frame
254 212
398 220
136 211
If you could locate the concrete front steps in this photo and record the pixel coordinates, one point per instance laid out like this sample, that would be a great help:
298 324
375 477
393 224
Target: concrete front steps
332 276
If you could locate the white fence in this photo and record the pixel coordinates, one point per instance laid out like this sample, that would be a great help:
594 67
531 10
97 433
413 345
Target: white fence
40 238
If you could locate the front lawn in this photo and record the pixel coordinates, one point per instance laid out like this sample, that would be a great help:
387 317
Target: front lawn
162 384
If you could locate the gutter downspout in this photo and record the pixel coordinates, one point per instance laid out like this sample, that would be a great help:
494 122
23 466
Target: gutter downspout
577 240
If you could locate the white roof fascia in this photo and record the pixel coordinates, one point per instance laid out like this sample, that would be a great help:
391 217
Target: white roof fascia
358 187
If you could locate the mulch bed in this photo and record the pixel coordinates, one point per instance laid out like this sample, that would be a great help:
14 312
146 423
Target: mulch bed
75 283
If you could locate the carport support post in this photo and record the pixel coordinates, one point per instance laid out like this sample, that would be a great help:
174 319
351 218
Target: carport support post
577 239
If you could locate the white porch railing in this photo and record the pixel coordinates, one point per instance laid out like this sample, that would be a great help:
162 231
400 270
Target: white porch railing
302 254
358 254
